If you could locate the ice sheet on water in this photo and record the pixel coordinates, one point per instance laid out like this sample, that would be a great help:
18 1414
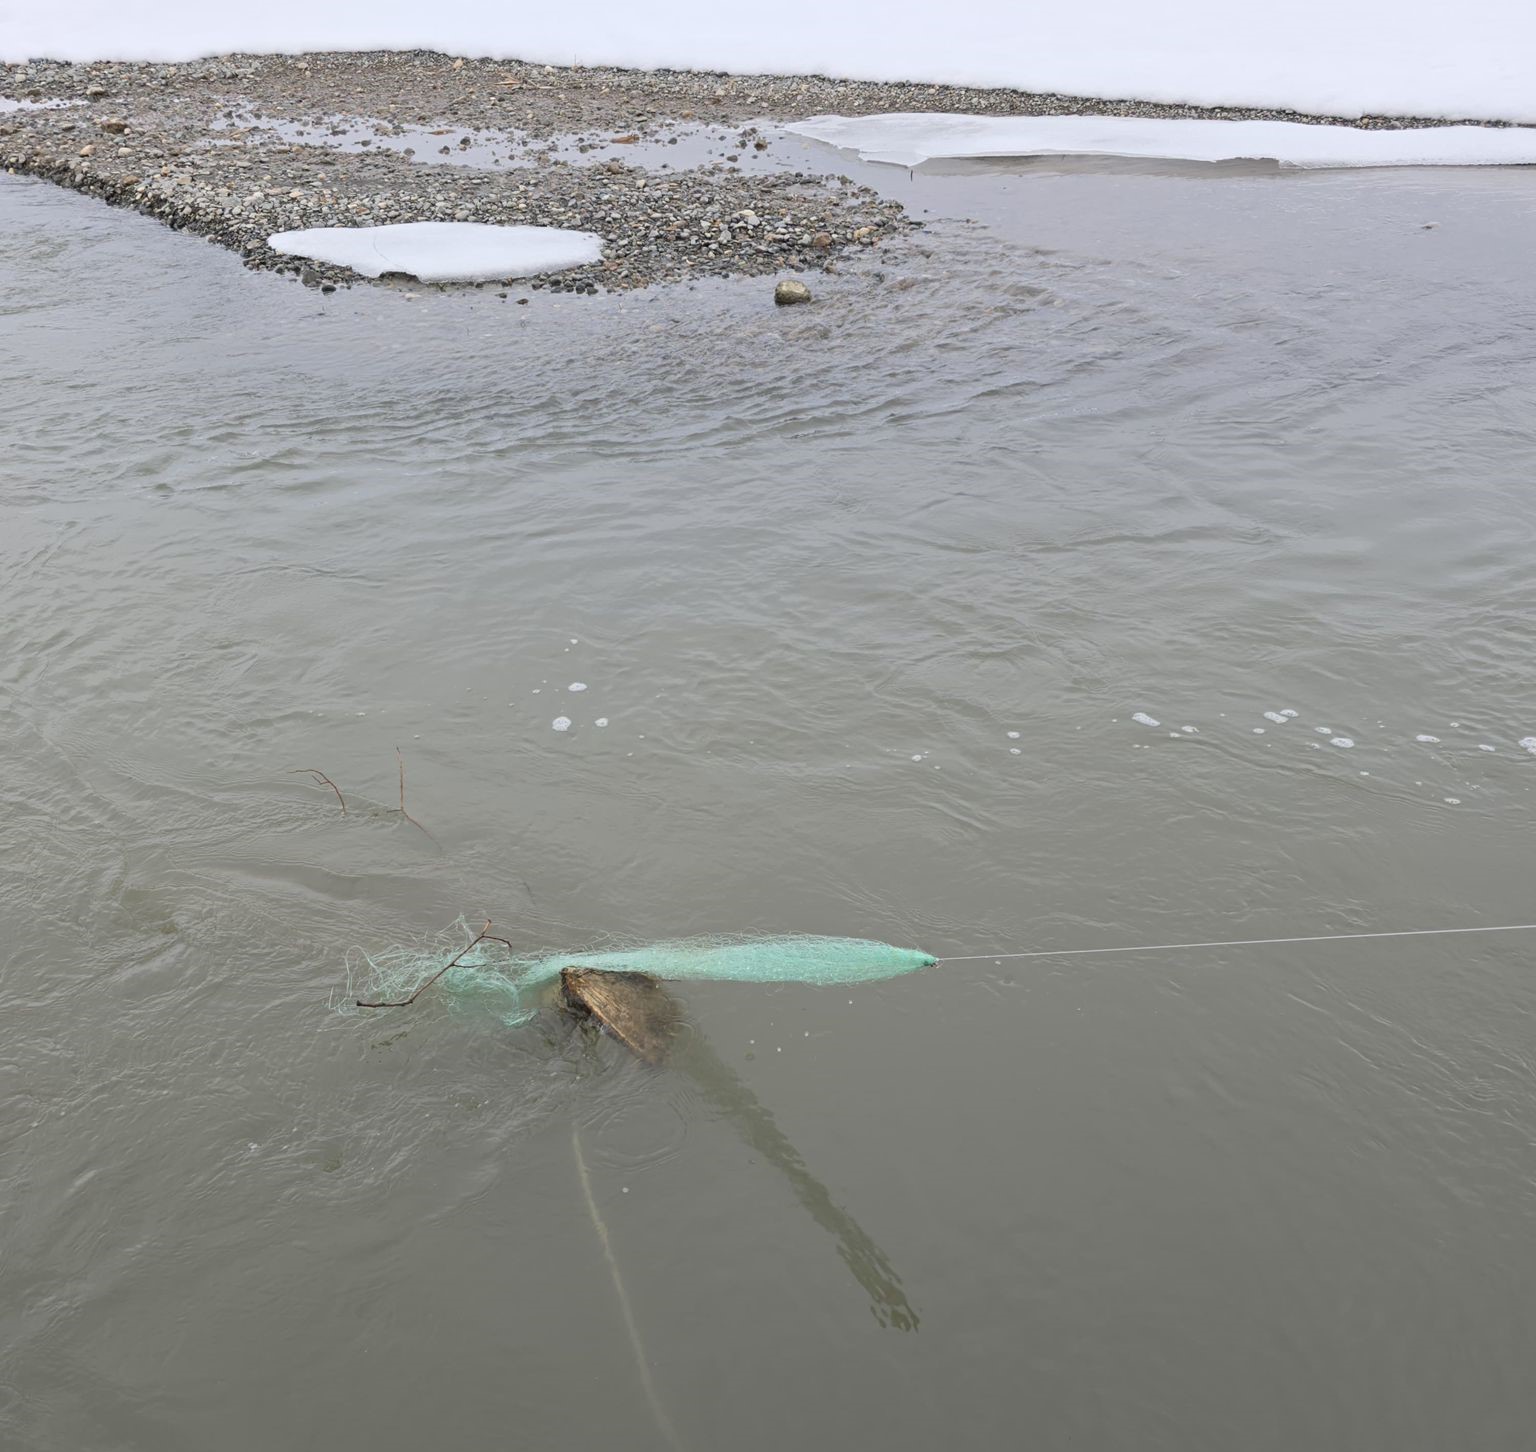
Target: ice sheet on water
911 138
443 251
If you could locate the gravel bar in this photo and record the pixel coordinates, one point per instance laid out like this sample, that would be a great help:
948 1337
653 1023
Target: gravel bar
240 147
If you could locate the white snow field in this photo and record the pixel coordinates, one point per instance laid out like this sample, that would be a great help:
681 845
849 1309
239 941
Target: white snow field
443 251
1429 58
909 139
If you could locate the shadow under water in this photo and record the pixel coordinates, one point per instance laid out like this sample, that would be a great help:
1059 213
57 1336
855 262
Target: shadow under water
637 1011
725 1091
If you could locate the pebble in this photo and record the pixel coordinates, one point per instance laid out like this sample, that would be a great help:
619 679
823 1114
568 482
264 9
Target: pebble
789 292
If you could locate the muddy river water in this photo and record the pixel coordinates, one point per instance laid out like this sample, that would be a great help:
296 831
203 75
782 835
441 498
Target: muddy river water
1139 556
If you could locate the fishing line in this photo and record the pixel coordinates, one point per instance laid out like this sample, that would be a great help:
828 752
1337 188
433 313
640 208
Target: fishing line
636 1345
1238 943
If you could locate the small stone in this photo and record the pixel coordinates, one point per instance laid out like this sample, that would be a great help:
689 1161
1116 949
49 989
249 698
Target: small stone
115 124
95 93
87 150
823 240
790 291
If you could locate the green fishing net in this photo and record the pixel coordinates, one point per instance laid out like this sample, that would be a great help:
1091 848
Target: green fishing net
492 979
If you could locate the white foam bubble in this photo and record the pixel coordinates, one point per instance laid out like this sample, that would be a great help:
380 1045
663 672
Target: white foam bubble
1013 735
577 686
1484 746
1289 714
1343 741
1278 717
1453 801
1323 730
1258 730
601 721
1528 743
1428 740
561 723
1014 750
1144 719
1190 730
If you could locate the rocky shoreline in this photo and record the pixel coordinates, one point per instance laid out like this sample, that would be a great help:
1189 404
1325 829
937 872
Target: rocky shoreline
241 147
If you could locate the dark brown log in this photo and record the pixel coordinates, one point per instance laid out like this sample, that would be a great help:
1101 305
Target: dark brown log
631 1007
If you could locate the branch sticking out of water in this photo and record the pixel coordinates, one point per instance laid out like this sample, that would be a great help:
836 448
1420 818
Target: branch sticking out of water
321 778
408 817
485 936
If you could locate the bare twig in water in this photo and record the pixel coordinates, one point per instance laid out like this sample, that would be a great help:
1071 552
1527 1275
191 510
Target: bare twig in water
408 817
484 936
320 777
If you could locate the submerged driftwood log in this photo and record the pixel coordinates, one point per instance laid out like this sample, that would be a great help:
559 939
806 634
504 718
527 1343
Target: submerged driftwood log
632 1007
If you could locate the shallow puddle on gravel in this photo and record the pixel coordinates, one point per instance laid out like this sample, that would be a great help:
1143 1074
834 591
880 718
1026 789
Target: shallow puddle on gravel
680 146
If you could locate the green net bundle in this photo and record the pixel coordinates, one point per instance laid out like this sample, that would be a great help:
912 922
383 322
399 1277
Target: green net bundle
510 985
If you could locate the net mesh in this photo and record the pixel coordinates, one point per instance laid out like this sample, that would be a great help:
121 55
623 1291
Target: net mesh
510 985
